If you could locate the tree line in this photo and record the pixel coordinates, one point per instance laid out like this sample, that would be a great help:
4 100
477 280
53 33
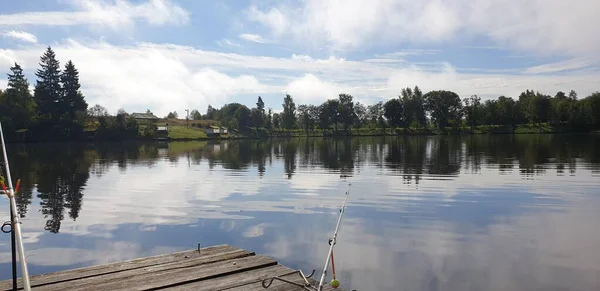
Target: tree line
57 110
435 109
56 103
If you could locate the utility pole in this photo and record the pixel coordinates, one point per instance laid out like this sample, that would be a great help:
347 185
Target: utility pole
187 118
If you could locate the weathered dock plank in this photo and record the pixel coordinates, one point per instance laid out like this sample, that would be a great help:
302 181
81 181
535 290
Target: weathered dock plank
236 280
220 267
277 285
161 276
82 273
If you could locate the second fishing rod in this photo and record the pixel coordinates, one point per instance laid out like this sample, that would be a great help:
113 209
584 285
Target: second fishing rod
16 225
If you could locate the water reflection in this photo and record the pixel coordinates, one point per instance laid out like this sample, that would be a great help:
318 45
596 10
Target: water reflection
59 172
427 213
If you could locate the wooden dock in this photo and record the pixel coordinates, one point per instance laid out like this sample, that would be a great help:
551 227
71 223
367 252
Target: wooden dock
221 267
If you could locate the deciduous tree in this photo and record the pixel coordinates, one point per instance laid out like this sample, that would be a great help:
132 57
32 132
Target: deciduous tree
443 106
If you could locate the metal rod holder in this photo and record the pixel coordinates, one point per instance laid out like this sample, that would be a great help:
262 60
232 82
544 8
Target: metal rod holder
266 283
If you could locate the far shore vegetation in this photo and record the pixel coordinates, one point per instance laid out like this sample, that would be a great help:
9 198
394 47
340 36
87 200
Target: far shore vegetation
57 111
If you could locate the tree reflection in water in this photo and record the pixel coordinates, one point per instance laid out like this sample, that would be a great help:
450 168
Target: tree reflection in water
58 172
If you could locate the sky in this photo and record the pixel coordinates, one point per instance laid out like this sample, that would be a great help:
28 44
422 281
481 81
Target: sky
175 55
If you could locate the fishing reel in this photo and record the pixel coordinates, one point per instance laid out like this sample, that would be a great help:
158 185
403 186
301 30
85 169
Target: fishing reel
7 227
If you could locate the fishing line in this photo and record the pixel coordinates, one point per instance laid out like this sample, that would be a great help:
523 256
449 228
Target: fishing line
332 243
329 259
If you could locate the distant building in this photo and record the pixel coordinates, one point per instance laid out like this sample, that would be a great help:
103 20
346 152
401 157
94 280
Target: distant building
215 130
212 130
162 131
22 134
89 133
161 128
144 117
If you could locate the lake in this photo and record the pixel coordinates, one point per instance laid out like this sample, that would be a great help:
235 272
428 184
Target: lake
502 212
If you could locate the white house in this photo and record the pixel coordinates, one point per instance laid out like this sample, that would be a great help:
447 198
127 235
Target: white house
211 130
215 130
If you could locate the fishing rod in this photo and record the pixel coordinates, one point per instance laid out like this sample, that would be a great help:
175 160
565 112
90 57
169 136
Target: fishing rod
334 283
332 241
14 218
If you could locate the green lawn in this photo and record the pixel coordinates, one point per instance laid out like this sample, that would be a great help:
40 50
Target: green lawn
182 132
534 128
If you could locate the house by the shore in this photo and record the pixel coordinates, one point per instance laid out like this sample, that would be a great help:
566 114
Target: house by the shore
213 130
144 117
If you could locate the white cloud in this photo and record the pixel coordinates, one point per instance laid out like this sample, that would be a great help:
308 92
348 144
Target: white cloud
398 57
538 26
489 85
310 90
160 76
308 59
20 35
350 24
274 18
549 27
8 58
571 64
252 37
413 76
303 58
141 78
115 14
226 43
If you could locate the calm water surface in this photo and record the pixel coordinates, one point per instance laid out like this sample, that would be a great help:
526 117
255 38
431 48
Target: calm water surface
425 213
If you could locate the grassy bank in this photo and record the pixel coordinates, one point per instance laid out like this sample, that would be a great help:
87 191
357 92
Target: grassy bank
183 133
179 132
483 129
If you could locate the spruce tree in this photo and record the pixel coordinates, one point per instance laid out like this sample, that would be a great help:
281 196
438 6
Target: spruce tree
258 114
71 98
47 92
289 112
260 105
17 105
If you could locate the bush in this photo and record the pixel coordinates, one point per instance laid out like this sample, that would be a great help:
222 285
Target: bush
150 131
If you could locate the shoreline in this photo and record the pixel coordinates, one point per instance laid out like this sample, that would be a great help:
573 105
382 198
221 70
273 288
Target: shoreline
339 134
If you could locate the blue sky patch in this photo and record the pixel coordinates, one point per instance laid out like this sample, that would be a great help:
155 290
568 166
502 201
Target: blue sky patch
172 55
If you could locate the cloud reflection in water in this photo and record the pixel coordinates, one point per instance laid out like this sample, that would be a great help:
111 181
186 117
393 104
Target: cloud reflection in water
431 213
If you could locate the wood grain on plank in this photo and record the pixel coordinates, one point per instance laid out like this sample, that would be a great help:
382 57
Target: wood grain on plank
235 280
275 286
86 272
279 285
156 275
220 268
